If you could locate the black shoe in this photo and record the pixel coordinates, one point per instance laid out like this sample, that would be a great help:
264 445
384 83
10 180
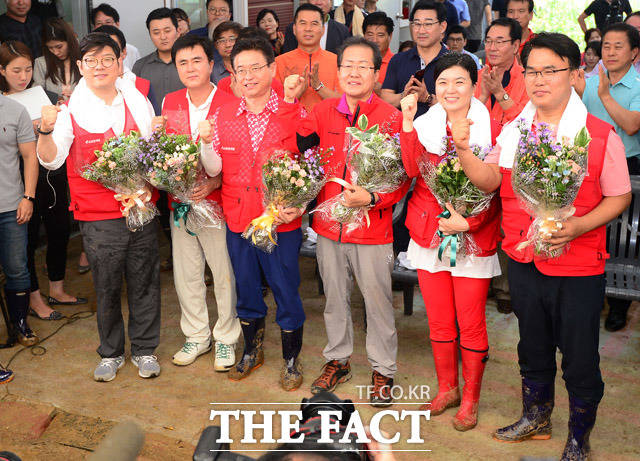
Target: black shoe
504 306
616 318
582 418
18 306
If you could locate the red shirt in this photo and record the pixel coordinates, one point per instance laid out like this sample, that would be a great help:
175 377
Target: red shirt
385 63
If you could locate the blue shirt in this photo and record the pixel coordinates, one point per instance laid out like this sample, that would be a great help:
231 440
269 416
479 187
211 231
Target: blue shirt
403 65
475 59
463 10
626 93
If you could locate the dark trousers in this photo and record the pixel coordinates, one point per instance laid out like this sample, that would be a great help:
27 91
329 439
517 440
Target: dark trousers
473 45
51 209
558 313
113 252
281 270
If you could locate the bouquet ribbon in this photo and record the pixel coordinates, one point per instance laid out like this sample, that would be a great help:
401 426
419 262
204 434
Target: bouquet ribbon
265 222
128 201
181 211
346 185
448 240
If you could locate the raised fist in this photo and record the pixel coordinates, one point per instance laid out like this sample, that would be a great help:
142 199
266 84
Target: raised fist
49 117
409 106
206 132
460 133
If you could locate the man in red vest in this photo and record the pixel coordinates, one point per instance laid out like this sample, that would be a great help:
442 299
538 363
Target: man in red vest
557 300
187 112
245 134
365 253
102 107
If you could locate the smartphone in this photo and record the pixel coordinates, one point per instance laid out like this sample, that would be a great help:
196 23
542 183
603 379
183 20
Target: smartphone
420 74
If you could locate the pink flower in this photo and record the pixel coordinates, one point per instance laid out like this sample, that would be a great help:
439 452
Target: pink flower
180 171
293 180
112 165
300 183
178 178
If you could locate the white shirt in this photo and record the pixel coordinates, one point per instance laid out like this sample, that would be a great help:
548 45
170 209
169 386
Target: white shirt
323 40
132 56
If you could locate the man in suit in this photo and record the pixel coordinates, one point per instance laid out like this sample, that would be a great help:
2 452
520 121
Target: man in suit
334 32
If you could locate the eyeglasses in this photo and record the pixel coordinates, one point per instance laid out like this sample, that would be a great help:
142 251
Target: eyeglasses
222 41
490 43
250 71
218 10
426 25
359 69
106 61
455 40
545 73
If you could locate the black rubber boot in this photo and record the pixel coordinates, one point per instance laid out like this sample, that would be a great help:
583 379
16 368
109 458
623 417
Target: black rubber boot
582 417
253 356
535 422
291 375
18 306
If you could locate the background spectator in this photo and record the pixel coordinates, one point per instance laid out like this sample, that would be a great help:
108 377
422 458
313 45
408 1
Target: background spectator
592 56
605 12
378 28
351 16
184 22
478 10
224 37
268 21
218 11
457 40
522 11
20 24
106 15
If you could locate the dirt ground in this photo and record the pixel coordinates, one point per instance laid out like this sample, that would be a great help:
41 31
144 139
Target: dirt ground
54 410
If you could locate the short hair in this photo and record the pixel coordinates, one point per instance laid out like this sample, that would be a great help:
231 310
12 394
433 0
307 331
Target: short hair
105 9
265 11
98 40
179 13
633 36
457 29
162 13
308 7
406 45
559 44
251 32
361 41
530 2
226 27
113 30
228 2
10 50
379 18
439 8
596 46
255 43
452 59
589 32
191 41
515 29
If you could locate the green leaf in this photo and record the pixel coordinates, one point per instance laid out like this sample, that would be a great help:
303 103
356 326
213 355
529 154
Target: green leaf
363 122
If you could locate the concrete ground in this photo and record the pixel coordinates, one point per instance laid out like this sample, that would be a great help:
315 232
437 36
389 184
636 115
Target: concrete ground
54 410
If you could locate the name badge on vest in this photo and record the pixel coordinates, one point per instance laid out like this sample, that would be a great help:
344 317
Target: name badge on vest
92 141
229 149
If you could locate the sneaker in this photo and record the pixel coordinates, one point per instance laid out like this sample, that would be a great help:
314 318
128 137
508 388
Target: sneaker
225 357
6 375
148 366
190 352
107 368
333 373
381 393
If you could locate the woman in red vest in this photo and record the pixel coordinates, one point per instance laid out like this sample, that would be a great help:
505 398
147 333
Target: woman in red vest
557 300
455 296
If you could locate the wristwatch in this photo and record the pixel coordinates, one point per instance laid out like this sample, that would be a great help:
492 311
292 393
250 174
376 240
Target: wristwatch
506 96
321 86
31 199
43 132
373 199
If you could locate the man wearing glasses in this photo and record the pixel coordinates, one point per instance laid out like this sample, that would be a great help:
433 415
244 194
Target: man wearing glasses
218 11
557 300
457 41
365 254
412 71
101 107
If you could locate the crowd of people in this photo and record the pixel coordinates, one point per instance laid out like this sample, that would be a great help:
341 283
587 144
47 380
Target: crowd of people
472 74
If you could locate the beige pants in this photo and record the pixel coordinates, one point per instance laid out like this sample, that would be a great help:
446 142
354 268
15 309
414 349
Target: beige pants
189 256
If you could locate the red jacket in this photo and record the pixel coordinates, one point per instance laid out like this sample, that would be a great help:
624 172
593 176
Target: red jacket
143 85
423 208
586 254
242 186
330 124
176 109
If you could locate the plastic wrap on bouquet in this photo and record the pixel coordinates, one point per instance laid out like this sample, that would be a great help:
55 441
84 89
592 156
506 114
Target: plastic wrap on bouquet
546 178
289 182
449 184
116 167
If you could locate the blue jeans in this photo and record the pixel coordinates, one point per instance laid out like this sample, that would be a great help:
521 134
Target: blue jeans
13 252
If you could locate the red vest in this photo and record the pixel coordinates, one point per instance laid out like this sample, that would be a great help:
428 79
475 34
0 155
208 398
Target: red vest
586 254
242 187
176 109
91 201
143 85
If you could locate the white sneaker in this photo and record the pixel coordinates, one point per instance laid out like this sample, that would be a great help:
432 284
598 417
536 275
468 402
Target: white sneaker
225 357
107 368
190 352
148 366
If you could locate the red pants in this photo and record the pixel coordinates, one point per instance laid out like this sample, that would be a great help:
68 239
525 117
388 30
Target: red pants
448 299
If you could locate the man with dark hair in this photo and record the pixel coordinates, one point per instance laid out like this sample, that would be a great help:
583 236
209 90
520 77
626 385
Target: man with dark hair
634 20
605 12
522 11
332 37
405 72
378 29
106 15
316 66
218 11
365 254
557 301
244 134
478 10
20 24
457 40
500 83
614 96
101 107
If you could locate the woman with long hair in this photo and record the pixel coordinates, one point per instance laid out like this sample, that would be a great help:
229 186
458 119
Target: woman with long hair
268 21
454 293
57 70
51 206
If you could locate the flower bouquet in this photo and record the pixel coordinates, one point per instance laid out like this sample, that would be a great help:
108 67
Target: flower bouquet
172 163
546 177
376 165
449 184
289 183
117 168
